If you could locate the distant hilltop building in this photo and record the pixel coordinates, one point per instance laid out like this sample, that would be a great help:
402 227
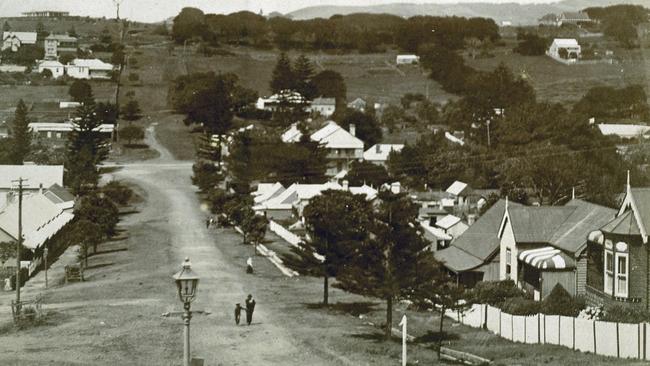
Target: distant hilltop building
46 14
555 20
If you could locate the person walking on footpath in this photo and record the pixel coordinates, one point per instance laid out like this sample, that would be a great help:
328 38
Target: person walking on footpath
250 307
207 222
237 313
249 265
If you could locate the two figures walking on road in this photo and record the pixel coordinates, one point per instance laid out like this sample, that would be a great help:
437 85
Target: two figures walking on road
250 308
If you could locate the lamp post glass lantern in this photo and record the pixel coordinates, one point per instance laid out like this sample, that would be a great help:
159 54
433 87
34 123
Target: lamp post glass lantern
187 282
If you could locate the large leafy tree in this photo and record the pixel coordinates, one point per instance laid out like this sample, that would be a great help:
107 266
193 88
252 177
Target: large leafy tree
394 262
80 91
337 223
366 125
329 83
283 77
365 172
21 135
188 24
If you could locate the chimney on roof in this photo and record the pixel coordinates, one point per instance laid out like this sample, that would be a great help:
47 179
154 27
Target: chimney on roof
346 185
395 187
353 129
378 148
40 188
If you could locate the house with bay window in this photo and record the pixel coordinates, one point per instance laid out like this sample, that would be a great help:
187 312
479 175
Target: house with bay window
541 247
619 259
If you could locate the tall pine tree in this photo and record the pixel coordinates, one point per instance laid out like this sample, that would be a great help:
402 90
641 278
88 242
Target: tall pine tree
394 262
303 73
337 223
21 136
84 150
283 77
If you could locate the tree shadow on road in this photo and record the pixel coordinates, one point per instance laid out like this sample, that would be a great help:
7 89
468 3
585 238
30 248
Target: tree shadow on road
434 337
351 308
377 337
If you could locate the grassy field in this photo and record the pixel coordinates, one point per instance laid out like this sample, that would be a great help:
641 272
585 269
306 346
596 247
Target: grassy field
561 83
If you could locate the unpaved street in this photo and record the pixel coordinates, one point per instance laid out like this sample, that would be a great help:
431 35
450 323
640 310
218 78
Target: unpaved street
173 203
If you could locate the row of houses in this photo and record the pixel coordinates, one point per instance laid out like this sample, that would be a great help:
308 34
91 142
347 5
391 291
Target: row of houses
78 69
54 44
591 250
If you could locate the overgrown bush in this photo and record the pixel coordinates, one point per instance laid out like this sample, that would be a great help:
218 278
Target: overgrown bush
625 314
117 192
560 302
206 175
217 198
521 306
495 293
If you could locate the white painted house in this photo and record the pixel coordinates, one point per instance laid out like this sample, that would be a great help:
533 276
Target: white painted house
379 153
14 40
569 44
89 69
56 68
407 59
624 131
343 147
323 106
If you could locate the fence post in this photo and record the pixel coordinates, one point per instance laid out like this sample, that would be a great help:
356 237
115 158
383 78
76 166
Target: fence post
525 329
500 323
485 319
593 323
645 341
544 328
618 342
539 330
574 332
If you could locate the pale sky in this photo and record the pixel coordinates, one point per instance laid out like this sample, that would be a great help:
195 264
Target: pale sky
156 10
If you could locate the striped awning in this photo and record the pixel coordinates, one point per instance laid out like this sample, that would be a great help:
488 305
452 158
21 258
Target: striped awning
546 258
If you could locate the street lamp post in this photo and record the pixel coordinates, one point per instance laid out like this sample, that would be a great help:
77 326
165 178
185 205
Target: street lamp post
45 255
187 282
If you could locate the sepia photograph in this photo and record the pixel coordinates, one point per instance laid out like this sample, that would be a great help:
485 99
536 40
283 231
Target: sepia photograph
324 182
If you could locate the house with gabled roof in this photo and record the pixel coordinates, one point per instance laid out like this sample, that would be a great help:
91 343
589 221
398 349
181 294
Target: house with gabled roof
14 40
379 153
292 201
323 106
343 147
358 104
474 255
619 258
542 246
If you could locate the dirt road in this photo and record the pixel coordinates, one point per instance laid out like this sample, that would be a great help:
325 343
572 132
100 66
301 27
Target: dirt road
172 201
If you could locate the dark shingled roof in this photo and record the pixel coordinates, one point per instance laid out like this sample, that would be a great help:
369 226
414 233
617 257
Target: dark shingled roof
564 227
625 224
478 243
58 194
642 200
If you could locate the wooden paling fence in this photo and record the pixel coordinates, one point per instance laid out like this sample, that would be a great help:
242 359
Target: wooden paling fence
613 339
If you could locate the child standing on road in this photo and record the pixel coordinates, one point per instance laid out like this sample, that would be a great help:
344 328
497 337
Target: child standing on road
237 313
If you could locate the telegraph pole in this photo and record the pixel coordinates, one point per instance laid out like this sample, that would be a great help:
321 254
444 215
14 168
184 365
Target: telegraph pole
19 243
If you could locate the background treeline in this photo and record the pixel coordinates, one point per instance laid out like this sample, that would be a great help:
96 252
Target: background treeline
362 32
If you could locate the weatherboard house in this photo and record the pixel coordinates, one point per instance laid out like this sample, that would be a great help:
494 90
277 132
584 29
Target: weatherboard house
542 246
14 40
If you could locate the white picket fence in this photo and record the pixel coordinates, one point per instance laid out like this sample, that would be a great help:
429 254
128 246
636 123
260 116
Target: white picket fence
620 340
285 234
